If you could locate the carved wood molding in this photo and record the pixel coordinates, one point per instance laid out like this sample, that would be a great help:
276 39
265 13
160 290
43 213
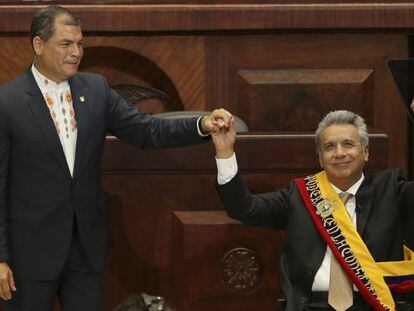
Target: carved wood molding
255 152
296 99
123 17
241 269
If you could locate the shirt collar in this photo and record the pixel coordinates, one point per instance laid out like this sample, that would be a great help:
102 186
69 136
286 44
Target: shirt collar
353 189
45 83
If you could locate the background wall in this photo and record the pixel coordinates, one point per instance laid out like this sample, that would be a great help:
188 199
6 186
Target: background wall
280 67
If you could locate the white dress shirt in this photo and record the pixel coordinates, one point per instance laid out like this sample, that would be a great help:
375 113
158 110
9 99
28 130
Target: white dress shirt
227 169
58 99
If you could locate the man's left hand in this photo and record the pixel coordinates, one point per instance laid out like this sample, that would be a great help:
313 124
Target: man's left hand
218 119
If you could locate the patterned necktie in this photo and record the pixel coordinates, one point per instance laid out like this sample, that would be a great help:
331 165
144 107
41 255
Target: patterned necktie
340 287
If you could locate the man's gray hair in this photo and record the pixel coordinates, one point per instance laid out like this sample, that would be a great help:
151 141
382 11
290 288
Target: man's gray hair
43 23
342 117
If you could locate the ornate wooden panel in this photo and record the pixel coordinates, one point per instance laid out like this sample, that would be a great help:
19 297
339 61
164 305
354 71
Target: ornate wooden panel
211 272
281 66
173 64
295 99
201 15
289 82
275 82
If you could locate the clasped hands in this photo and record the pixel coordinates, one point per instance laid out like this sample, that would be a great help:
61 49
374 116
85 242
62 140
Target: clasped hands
221 125
218 120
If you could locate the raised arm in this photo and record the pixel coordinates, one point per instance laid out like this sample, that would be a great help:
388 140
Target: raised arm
268 210
143 130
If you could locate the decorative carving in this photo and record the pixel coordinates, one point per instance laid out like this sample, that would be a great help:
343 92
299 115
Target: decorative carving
147 99
135 93
133 75
241 269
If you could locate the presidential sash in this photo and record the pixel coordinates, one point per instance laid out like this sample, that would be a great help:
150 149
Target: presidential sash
375 280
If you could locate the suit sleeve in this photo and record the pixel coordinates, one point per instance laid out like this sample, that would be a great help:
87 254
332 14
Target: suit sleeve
267 210
4 163
406 202
145 131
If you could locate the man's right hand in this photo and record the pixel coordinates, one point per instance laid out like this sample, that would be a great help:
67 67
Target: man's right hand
6 281
224 141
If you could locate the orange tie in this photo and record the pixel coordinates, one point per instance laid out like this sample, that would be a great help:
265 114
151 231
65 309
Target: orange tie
340 295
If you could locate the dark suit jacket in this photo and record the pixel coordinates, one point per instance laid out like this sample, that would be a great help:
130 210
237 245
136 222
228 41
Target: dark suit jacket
385 216
39 199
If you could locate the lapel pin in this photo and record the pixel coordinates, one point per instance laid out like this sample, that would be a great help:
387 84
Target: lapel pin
82 99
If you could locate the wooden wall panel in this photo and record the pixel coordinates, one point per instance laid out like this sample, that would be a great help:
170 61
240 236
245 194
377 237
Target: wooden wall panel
295 100
169 63
173 64
16 54
252 76
280 65
193 2
218 264
202 15
205 73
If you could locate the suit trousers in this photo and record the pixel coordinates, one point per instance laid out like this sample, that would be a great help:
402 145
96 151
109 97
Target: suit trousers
77 288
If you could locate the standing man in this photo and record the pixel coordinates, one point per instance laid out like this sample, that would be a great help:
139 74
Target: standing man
345 228
53 124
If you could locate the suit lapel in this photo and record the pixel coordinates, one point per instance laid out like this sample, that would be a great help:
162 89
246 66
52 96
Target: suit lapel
81 101
40 111
364 198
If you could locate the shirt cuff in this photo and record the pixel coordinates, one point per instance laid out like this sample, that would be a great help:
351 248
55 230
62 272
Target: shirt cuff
226 169
199 128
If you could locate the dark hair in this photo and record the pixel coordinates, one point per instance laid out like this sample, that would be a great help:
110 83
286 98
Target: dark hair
43 23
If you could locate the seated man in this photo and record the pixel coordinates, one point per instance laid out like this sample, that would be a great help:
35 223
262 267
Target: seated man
344 226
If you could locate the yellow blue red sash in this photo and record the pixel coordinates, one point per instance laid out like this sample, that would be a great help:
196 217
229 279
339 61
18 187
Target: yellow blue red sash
373 279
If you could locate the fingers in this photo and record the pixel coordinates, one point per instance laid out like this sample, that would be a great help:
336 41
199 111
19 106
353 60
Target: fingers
222 117
5 291
218 119
224 140
7 284
11 281
232 125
